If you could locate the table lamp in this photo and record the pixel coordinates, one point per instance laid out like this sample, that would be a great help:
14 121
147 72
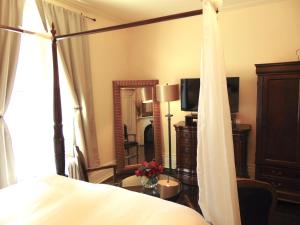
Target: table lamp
168 93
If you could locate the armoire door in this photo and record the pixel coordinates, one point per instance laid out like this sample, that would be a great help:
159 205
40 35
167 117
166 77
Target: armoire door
280 113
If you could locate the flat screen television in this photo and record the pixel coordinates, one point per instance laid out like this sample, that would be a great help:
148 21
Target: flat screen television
189 89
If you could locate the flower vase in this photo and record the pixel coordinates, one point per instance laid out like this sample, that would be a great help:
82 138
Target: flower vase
150 185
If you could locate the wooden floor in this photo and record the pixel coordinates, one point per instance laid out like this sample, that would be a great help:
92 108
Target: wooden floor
287 214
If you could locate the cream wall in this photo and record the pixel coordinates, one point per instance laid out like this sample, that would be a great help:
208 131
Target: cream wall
170 51
109 61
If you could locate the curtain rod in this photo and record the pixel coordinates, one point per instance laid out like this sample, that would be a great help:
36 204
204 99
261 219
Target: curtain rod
132 24
21 31
87 17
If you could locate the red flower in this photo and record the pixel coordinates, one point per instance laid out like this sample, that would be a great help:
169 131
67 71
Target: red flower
161 168
150 169
153 164
138 173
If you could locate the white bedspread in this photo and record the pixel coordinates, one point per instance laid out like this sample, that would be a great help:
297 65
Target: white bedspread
57 200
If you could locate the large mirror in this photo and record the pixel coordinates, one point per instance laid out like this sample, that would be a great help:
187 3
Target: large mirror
137 125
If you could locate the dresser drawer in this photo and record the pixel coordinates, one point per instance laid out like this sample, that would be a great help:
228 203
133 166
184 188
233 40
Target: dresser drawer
188 149
287 189
282 184
187 142
186 135
278 172
187 162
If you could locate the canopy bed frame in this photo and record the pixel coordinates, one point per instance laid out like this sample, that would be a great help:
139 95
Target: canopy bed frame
59 147
88 194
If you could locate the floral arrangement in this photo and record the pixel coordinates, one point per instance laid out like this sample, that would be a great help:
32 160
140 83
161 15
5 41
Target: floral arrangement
148 174
149 169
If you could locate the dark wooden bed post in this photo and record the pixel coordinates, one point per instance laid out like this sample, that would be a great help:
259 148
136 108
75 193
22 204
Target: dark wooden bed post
59 145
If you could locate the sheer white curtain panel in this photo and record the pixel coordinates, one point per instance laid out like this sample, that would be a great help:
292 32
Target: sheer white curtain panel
218 197
76 61
11 13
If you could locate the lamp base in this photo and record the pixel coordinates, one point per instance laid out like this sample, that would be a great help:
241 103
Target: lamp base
168 188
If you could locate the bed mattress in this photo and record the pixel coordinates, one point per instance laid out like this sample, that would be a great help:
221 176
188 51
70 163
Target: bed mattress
57 200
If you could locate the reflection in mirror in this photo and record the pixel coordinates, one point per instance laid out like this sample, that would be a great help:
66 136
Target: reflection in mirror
137 123
137 118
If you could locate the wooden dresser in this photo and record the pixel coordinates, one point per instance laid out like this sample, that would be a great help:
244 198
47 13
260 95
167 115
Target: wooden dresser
278 128
186 151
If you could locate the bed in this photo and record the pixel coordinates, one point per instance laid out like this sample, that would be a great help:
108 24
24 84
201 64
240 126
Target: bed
58 200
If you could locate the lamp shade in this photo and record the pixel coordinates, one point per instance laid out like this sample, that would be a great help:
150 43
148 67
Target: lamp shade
167 93
146 94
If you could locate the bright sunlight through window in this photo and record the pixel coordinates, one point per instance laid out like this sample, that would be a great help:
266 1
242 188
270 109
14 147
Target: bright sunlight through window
30 112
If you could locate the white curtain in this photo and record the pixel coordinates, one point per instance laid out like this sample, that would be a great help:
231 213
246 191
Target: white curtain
218 197
10 14
76 60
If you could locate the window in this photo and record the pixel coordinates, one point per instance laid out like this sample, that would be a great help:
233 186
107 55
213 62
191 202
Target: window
30 112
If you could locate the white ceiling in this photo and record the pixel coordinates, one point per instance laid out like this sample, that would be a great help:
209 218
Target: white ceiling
132 10
141 9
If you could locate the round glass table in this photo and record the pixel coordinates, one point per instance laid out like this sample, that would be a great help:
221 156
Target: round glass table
168 187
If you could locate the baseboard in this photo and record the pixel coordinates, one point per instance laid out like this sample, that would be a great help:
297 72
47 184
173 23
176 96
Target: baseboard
101 175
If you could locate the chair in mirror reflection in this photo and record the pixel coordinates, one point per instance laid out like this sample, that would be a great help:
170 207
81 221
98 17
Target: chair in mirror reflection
149 142
137 117
131 146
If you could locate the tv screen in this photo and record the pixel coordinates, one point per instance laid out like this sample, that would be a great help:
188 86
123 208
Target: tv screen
190 87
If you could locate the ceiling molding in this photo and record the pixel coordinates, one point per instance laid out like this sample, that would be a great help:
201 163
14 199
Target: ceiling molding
135 10
140 10
86 8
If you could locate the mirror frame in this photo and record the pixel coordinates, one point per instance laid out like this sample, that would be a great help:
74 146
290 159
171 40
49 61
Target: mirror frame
118 124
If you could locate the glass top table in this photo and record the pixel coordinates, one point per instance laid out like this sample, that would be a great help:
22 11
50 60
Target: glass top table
165 190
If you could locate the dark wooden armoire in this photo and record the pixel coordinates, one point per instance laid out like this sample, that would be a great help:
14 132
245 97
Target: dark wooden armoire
278 128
